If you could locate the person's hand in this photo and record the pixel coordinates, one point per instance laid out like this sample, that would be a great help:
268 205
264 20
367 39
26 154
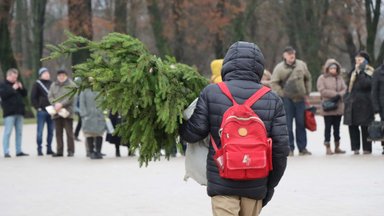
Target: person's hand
20 85
58 106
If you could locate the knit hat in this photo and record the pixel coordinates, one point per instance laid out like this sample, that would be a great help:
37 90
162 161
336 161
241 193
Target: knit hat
364 55
42 70
333 65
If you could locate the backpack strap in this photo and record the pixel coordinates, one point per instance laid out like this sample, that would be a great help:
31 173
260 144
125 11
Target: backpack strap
223 87
256 96
214 144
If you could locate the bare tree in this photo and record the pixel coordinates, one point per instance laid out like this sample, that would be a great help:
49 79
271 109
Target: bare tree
7 60
80 23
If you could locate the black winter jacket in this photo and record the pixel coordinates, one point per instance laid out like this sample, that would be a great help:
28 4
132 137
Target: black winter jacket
378 91
11 99
242 70
39 97
358 109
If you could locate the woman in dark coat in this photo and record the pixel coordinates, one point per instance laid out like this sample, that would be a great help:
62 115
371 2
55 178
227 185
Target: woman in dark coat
115 139
242 71
378 94
358 104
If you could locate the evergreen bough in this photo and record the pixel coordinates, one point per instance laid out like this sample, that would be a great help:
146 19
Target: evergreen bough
149 93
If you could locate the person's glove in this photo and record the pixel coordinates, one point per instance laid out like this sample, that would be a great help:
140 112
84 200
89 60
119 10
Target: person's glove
268 196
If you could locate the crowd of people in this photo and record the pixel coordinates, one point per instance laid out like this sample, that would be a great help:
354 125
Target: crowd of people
56 112
358 96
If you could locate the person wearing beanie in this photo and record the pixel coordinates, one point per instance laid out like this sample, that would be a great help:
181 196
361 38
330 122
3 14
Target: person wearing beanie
292 81
243 68
39 99
358 110
63 112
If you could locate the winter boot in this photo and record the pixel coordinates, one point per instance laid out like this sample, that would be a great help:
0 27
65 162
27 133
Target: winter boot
117 148
337 148
97 154
328 150
90 147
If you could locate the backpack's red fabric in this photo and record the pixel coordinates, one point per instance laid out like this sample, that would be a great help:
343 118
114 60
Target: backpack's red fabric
246 150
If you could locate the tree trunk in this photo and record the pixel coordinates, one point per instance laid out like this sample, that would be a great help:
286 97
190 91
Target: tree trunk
157 27
7 60
120 16
38 16
372 21
177 12
80 23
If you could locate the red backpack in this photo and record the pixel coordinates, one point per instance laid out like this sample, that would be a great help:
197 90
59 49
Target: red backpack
246 151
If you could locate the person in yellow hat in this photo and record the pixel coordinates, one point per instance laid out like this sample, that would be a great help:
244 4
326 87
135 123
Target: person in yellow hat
216 66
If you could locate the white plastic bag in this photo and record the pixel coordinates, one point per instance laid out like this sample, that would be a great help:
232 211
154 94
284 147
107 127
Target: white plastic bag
196 154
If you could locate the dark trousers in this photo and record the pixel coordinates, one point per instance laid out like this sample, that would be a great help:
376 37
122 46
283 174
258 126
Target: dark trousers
64 124
354 134
78 126
295 110
332 121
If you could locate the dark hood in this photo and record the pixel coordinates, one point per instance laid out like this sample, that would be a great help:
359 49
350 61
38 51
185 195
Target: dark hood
243 61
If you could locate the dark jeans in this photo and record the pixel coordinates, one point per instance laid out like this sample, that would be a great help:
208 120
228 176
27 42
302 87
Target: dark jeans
61 124
332 121
44 118
295 110
354 134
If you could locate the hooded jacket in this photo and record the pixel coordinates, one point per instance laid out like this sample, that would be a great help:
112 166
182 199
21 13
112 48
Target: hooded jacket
242 71
331 86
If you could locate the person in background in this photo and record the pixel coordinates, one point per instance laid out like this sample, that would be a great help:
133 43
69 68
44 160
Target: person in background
39 99
12 92
378 93
93 123
78 126
358 111
266 79
64 112
242 71
114 138
291 80
332 87
216 66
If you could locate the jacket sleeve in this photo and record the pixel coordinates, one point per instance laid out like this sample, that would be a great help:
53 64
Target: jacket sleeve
6 91
307 80
197 127
276 82
280 149
324 92
35 96
375 92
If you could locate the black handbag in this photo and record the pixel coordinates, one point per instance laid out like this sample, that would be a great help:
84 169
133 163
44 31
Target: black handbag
376 130
331 104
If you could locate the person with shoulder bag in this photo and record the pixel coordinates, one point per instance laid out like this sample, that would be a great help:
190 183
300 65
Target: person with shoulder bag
237 193
291 80
358 110
332 89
